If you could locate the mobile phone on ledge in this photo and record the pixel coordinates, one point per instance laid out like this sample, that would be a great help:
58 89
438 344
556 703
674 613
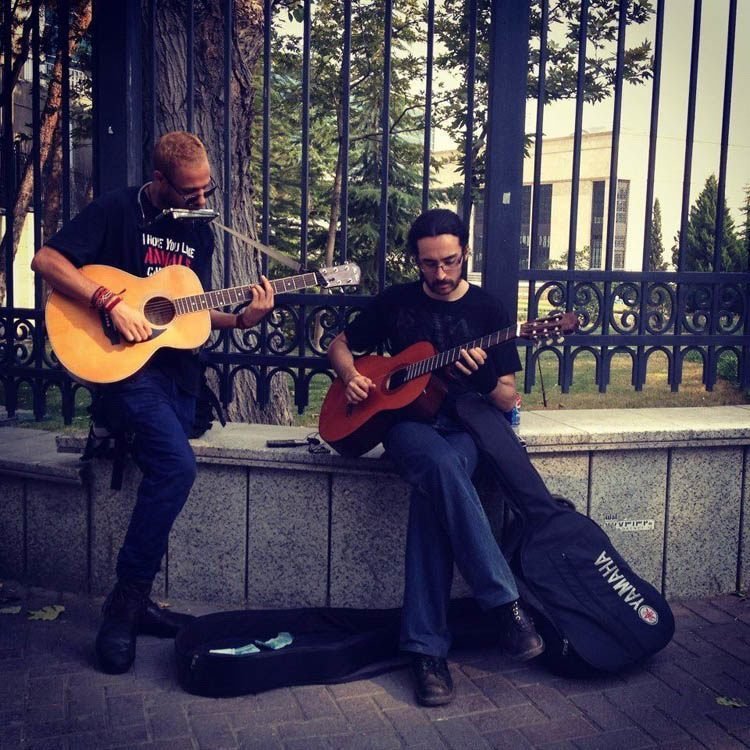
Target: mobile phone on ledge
289 443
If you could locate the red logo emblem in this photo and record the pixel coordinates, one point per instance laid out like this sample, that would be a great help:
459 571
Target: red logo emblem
648 614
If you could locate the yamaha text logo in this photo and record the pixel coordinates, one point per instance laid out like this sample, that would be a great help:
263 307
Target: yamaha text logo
625 589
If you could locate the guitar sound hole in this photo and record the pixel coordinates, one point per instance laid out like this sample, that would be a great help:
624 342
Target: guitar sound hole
397 379
159 311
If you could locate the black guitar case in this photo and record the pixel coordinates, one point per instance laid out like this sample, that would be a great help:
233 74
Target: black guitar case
594 611
329 645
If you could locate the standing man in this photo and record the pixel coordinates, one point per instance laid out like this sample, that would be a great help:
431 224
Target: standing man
447 522
126 229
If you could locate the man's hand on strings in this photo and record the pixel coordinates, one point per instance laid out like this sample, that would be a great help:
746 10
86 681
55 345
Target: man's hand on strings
261 304
358 388
131 323
477 369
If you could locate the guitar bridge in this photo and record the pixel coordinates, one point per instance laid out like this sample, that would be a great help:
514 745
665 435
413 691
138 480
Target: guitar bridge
110 331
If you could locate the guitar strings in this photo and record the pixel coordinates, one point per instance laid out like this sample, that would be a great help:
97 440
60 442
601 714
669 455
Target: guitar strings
167 304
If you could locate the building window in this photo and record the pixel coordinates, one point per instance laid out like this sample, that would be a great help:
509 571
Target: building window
525 226
597 224
544 226
477 241
621 222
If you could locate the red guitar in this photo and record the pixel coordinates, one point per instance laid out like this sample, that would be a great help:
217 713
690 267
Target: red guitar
404 386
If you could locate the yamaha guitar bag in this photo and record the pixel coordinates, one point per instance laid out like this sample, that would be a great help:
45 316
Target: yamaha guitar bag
594 611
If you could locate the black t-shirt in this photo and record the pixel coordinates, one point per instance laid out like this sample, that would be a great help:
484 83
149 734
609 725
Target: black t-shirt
403 315
116 230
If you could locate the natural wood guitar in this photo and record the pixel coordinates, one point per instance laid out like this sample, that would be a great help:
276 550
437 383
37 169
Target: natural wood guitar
406 388
174 303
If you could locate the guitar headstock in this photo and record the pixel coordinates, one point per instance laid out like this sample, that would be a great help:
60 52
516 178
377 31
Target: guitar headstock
347 274
550 329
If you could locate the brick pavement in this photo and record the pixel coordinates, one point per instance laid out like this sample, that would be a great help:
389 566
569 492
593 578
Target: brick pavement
51 696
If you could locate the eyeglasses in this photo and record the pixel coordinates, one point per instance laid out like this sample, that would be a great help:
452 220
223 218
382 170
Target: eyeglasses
428 264
194 196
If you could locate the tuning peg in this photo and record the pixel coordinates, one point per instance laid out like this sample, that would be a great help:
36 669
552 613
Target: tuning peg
549 342
559 339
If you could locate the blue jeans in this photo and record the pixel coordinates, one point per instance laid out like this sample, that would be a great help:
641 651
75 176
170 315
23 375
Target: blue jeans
160 415
447 524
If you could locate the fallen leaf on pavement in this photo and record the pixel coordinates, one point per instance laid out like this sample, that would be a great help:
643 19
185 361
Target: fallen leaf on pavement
733 702
50 612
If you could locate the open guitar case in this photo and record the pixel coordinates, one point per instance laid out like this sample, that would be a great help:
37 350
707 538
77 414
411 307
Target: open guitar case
329 645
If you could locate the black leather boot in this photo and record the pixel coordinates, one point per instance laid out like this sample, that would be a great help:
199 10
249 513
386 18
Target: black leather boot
433 685
519 637
122 611
163 623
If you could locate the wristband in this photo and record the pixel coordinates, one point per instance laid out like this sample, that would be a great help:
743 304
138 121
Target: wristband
99 297
109 306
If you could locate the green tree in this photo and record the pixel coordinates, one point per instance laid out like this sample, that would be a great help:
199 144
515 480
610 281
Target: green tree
700 235
327 139
560 70
50 127
656 245
745 234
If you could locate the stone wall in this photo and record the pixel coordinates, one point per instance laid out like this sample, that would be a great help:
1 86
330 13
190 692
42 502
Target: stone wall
283 527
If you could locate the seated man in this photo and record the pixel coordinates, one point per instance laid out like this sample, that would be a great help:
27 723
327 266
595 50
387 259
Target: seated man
447 522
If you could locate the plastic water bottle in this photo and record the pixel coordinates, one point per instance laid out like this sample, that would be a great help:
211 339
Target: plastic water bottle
515 415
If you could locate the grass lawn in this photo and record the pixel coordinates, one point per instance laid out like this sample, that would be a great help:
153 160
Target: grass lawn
584 393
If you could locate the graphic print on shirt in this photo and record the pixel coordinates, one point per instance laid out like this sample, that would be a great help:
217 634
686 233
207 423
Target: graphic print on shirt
159 252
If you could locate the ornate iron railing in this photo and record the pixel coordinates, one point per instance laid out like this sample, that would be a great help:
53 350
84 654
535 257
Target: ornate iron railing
640 314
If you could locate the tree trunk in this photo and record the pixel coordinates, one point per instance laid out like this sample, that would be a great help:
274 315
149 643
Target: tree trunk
80 21
333 220
52 186
209 124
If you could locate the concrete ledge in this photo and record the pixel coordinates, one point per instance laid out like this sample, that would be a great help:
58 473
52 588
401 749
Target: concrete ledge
269 527
34 454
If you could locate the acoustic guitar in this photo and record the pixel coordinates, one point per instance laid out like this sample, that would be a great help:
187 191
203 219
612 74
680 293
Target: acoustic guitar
406 388
175 305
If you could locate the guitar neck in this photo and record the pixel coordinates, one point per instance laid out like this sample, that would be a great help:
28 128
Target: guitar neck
449 356
237 294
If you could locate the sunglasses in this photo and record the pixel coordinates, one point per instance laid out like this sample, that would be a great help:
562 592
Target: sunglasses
193 197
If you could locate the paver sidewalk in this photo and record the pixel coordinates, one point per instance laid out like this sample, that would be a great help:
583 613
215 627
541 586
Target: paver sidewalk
695 694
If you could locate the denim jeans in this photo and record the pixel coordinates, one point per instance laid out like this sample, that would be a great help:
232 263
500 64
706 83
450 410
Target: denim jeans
447 524
159 414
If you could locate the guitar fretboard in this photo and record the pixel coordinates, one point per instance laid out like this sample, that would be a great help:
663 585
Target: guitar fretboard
449 356
237 294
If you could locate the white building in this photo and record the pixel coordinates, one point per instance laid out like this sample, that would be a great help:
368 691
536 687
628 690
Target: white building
554 207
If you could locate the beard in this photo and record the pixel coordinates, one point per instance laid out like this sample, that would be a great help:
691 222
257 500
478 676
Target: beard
443 287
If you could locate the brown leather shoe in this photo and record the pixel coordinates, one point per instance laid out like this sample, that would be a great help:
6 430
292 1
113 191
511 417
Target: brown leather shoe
161 622
433 685
519 637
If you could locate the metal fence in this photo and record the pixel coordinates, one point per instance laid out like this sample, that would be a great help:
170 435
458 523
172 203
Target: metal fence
490 73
